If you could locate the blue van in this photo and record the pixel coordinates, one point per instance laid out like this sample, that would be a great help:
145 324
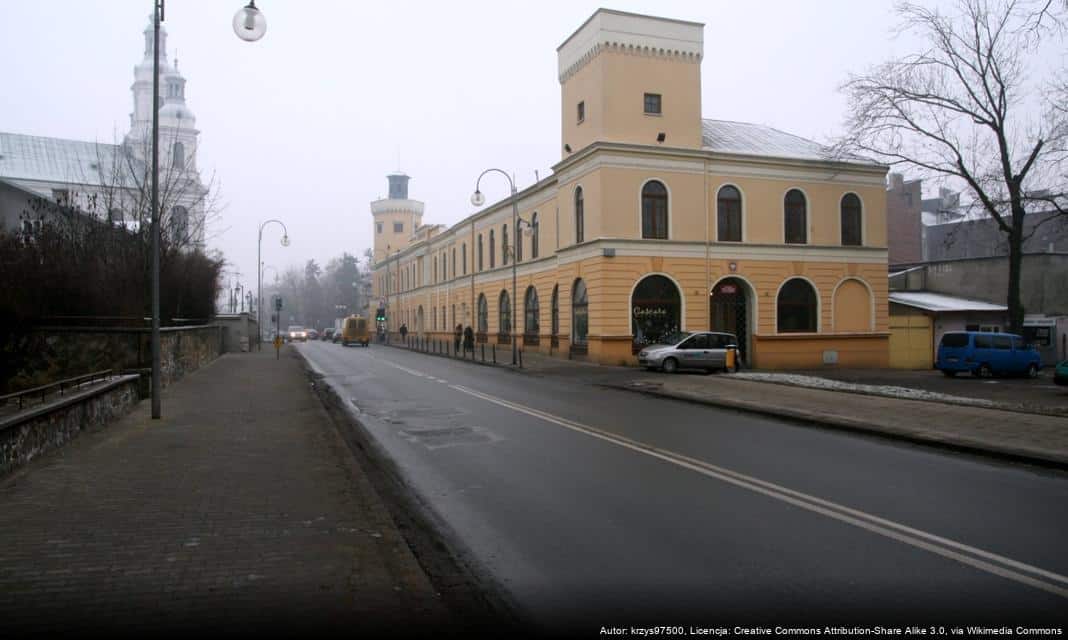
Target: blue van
986 354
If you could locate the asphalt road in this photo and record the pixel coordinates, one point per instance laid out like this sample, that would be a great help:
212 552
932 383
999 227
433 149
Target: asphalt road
595 507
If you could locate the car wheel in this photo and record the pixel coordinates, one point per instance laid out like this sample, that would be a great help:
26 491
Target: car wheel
1032 370
984 371
949 374
671 365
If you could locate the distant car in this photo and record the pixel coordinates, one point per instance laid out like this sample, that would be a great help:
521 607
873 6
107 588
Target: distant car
296 332
336 338
1060 374
702 350
355 331
313 334
327 334
985 354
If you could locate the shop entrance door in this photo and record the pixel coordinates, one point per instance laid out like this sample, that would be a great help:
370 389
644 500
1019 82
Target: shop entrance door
729 309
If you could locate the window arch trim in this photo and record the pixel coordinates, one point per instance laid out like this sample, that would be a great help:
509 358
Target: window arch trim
871 300
742 213
579 219
682 297
819 303
863 227
808 211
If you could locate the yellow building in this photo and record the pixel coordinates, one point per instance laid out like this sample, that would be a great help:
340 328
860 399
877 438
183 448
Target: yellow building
654 220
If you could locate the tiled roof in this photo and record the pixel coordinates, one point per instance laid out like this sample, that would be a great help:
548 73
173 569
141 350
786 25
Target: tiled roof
758 140
25 157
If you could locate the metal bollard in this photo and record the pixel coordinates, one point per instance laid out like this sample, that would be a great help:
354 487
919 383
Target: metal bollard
495 353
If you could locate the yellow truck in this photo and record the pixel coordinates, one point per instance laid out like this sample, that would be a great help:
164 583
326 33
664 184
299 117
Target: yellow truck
355 331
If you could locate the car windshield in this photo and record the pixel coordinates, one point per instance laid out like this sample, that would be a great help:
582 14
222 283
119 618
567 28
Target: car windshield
296 327
674 337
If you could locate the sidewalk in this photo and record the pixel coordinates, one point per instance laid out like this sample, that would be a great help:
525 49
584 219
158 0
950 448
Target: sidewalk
1027 437
241 511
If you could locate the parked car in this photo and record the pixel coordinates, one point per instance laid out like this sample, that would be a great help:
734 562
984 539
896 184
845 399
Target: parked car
296 332
312 334
328 334
1060 374
985 354
355 331
702 350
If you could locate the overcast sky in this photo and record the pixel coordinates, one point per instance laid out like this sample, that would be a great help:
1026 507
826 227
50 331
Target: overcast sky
305 124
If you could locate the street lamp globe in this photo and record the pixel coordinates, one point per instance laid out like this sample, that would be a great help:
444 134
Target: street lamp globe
249 23
477 198
285 240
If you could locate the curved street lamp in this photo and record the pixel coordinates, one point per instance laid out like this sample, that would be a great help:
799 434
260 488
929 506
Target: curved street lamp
259 270
478 200
253 26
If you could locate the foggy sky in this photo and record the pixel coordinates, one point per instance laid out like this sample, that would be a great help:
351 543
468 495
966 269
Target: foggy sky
305 124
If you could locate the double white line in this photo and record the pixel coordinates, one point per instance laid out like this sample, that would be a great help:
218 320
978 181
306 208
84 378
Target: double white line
993 563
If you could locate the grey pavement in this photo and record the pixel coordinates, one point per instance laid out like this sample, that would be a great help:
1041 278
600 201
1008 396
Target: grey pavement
241 511
1041 438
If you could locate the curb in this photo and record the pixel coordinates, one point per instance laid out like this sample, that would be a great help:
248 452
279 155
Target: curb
1010 454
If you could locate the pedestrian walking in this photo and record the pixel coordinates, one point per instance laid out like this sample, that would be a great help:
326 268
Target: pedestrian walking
469 339
457 337
404 331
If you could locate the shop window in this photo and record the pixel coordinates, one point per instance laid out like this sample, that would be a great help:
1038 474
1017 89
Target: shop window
654 211
483 317
796 307
851 220
729 214
504 313
795 217
655 311
554 316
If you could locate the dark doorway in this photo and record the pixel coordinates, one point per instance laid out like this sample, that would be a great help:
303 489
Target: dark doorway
730 312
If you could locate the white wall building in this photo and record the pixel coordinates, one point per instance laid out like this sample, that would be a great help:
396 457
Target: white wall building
113 181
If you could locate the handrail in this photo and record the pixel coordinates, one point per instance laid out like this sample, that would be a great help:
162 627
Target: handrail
61 384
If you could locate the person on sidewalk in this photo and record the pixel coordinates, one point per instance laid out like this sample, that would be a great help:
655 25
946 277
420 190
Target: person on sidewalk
469 339
459 333
404 332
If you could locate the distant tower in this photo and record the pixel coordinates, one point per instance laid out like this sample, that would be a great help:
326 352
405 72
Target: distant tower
395 217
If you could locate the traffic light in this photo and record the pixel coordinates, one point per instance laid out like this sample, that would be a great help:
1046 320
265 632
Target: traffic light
380 315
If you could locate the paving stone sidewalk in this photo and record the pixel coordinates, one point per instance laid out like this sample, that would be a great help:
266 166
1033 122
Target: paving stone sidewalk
242 511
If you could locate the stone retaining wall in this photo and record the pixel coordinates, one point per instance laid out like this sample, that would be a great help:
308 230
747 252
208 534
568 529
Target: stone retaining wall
35 431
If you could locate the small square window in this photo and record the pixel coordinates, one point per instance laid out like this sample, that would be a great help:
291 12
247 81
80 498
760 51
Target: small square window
378 227
582 111
398 227
652 103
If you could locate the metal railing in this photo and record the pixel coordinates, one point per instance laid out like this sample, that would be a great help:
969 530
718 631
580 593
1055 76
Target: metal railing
61 386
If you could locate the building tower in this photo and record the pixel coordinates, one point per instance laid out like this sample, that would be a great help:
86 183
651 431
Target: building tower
631 78
396 218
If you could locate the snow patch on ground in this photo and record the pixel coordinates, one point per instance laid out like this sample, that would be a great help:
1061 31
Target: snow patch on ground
888 391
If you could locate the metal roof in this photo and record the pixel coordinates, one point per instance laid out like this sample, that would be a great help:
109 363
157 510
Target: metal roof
25 157
759 140
939 302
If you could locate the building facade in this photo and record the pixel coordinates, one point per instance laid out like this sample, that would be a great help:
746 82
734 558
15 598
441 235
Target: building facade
113 181
655 220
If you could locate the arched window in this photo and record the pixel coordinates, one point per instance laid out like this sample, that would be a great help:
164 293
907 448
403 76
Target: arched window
580 217
463 257
179 155
580 315
504 313
796 307
480 252
534 235
729 214
483 317
504 245
530 316
795 217
554 316
180 224
454 262
851 221
493 254
656 311
654 210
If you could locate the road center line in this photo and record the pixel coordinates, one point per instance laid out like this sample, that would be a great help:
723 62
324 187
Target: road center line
965 554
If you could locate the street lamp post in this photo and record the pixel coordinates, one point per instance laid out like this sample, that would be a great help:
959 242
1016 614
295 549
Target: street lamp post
478 200
249 25
259 270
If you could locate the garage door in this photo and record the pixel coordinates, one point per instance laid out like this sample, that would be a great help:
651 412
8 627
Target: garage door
910 342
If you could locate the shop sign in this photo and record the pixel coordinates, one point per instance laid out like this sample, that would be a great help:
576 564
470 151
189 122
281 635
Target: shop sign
650 312
728 289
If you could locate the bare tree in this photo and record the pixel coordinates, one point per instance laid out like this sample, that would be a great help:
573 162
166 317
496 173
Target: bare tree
981 107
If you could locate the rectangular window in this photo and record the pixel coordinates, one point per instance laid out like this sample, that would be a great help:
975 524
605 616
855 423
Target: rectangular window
398 227
652 103
581 111
378 227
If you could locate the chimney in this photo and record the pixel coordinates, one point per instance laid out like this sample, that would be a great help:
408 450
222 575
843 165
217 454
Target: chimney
897 181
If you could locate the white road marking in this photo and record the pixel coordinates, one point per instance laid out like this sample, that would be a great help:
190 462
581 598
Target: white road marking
978 558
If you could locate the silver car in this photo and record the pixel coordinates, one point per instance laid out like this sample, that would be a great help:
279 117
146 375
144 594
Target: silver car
702 350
